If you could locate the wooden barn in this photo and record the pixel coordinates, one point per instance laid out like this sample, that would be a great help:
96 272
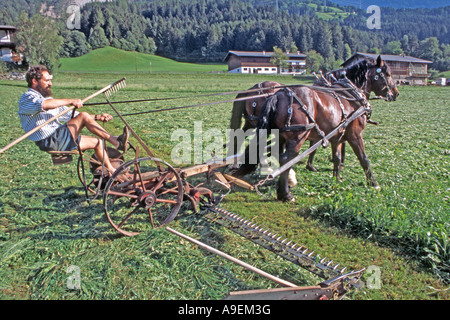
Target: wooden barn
258 62
7 45
405 69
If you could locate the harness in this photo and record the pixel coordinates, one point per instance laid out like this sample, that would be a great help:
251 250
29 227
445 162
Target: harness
328 84
353 94
386 84
253 117
379 75
303 107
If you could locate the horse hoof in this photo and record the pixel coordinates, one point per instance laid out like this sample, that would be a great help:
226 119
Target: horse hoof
311 168
286 198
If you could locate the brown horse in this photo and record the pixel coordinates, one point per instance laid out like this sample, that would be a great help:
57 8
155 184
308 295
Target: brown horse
319 109
368 75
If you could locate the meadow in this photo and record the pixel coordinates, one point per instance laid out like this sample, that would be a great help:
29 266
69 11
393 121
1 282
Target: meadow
46 226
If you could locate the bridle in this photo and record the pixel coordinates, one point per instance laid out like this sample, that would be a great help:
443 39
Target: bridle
380 76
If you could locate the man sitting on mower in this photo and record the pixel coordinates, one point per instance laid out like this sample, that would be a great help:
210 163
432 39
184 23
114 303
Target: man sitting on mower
37 106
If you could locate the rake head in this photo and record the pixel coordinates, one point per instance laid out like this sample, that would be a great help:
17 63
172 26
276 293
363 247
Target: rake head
113 88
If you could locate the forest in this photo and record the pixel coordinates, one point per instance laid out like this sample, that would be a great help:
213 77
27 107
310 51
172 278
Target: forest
205 30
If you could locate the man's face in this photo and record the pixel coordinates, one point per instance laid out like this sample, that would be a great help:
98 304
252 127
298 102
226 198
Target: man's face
44 84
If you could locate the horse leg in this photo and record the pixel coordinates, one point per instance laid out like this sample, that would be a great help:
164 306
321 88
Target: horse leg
237 114
336 150
246 167
309 164
250 158
283 185
357 145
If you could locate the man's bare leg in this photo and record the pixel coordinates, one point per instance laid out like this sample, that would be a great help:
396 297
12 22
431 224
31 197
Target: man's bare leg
87 142
84 119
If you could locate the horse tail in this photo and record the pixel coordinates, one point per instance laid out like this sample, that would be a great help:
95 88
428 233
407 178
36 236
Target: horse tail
267 113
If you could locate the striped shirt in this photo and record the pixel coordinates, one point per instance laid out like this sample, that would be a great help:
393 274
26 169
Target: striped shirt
32 115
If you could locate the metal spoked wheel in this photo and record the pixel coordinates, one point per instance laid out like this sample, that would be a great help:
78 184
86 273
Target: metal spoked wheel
143 193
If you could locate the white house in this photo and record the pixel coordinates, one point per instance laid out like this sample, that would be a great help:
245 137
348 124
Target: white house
258 62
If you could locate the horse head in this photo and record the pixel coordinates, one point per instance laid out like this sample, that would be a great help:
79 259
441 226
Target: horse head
379 80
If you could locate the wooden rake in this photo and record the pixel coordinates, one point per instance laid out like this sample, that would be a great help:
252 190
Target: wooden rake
108 91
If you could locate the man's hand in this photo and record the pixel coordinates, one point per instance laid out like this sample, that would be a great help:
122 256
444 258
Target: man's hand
77 103
103 117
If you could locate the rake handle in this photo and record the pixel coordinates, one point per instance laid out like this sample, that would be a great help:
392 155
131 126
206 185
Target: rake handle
29 133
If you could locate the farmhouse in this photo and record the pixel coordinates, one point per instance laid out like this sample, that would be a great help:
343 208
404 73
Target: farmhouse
259 62
405 69
7 45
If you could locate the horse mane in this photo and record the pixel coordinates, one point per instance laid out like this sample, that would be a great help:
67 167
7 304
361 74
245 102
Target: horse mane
356 73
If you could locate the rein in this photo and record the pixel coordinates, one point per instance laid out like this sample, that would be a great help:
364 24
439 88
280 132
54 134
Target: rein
259 90
198 105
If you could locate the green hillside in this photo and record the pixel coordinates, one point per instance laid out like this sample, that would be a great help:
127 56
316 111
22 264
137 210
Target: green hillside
329 12
111 60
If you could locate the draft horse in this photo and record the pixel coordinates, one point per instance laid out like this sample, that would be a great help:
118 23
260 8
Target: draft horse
368 75
314 112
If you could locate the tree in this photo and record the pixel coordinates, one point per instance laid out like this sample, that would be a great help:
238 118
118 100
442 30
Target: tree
279 58
429 49
257 41
324 41
405 44
97 38
38 40
347 51
338 41
75 44
393 47
314 61
292 48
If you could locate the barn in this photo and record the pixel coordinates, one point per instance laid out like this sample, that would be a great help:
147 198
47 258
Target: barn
405 69
258 62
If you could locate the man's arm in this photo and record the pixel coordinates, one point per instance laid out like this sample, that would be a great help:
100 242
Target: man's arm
56 103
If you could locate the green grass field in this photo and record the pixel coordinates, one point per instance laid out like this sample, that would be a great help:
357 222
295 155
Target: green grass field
46 226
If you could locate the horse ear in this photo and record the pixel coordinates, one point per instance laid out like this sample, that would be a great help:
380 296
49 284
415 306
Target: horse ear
380 62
